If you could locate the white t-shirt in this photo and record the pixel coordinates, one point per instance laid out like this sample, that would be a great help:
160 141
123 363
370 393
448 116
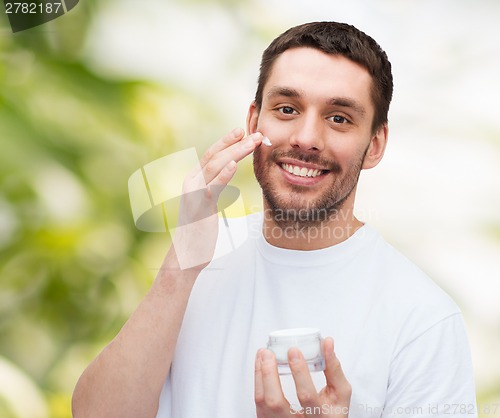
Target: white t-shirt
400 339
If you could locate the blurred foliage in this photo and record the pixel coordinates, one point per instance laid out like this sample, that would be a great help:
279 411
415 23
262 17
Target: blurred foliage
69 269
72 263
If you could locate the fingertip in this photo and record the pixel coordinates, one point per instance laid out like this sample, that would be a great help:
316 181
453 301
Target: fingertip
266 355
237 133
328 347
256 137
258 360
294 354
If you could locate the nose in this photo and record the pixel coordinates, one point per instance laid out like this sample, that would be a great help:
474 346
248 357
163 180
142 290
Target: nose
308 133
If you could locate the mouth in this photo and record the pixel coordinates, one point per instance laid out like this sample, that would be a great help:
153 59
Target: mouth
302 174
302 171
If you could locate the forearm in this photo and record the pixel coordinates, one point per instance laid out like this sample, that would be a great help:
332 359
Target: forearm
125 380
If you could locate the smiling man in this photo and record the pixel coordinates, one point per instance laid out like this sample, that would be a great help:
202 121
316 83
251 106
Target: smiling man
193 348
317 109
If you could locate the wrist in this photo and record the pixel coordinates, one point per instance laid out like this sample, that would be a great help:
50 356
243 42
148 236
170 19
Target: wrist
172 277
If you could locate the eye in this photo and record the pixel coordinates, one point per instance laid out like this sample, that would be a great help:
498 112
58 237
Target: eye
338 119
287 110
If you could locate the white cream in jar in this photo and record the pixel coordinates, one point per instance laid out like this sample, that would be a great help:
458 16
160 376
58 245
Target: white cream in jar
307 340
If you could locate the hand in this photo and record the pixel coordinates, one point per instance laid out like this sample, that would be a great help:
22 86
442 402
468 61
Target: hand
196 233
332 401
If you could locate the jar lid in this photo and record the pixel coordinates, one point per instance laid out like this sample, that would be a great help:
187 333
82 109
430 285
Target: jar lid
294 335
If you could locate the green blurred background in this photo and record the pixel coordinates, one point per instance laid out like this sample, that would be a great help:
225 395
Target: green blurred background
89 98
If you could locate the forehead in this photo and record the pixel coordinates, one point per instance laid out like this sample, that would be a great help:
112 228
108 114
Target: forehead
320 76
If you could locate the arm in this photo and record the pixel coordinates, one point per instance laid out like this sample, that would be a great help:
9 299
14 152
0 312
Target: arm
126 378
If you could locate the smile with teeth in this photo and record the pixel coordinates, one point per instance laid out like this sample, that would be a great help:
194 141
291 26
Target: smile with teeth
301 171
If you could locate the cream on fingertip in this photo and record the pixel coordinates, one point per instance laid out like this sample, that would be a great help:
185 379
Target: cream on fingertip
266 141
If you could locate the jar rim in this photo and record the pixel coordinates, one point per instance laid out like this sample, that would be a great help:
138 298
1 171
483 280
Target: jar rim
294 333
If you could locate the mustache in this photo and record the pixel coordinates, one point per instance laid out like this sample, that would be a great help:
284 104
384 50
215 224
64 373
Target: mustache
307 158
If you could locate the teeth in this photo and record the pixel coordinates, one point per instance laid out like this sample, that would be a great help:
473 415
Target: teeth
300 171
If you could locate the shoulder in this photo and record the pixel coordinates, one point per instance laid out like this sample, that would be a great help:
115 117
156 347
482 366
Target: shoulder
405 293
404 280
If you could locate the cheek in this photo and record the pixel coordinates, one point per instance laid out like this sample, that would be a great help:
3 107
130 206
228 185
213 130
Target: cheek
347 148
353 157
343 154
278 133
262 156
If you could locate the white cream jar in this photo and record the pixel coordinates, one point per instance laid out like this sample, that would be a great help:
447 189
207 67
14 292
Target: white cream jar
307 340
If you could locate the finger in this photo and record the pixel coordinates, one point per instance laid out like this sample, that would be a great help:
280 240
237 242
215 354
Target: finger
306 391
335 378
231 138
203 200
274 399
236 152
216 186
259 386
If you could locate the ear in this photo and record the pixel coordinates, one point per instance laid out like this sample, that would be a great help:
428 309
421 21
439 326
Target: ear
252 118
376 149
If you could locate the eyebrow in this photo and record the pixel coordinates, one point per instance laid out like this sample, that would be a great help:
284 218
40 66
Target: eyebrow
282 91
347 102
334 101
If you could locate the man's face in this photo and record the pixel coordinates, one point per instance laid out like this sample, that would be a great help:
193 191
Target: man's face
317 112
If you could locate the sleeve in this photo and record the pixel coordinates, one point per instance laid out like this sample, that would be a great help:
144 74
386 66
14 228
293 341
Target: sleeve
432 375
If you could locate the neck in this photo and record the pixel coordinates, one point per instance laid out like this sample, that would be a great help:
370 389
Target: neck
299 235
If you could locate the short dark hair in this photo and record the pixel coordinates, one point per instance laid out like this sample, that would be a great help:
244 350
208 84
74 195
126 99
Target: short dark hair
337 39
